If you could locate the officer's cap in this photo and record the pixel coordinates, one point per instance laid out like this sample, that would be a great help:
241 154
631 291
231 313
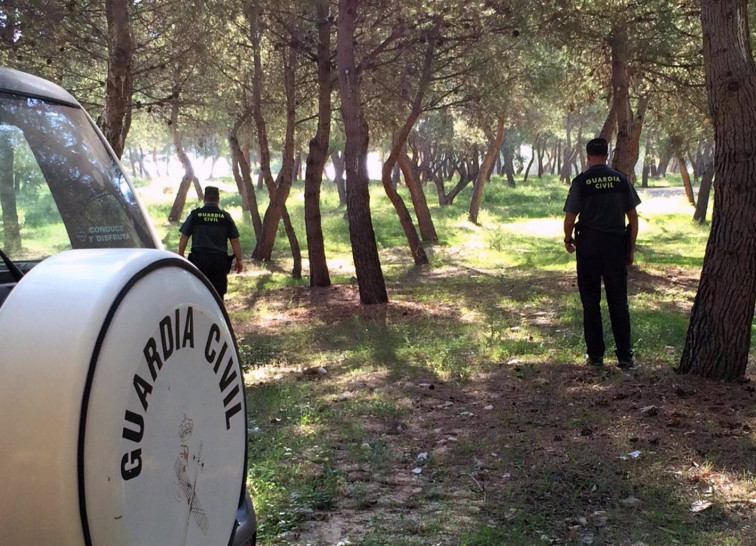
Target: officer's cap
597 147
212 194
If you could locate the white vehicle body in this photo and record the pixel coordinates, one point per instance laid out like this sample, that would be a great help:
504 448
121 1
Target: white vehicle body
122 406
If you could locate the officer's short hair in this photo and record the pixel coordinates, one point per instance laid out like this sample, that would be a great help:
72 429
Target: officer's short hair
212 194
597 147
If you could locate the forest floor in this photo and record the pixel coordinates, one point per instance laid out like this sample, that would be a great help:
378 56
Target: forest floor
518 451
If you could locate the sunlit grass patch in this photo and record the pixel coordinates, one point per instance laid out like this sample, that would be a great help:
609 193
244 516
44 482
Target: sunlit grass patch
478 361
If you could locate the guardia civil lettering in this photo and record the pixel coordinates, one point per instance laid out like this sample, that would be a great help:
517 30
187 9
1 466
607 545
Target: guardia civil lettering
602 182
176 333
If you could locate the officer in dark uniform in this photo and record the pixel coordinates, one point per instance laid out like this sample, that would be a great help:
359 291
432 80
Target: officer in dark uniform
210 228
601 198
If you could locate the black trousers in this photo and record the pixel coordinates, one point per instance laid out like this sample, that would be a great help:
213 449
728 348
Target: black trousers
215 266
603 256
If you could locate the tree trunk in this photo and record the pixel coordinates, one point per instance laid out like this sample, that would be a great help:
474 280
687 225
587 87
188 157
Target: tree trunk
532 158
296 252
413 240
142 167
558 155
264 247
580 150
372 285
253 16
398 143
119 83
550 153
210 175
189 178
11 226
719 335
318 154
693 166
156 162
266 231
628 125
508 165
396 174
565 170
296 171
646 162
244 182
661 169
703 193
276 208
480 183
539 149
686 180
337 158
610 123
133 162
422 212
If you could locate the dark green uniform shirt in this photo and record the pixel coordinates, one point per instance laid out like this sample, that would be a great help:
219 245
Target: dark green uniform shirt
210 228
601 196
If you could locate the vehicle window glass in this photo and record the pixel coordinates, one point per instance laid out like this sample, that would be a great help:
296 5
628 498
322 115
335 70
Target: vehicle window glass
59 186
26 204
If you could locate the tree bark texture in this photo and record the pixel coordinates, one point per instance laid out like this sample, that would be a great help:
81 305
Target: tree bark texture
189 178
142 167
493 149
419 202
119 82
11 227
629 125
252 12
337 158
318 154
370 280
296 252
686 180
719 334
243 176
661 168
540 153
610 123
398 143
565 172
253 16
703 193
508 166
647 160
264 248
533 154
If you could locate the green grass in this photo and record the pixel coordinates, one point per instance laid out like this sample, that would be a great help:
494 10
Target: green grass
498 299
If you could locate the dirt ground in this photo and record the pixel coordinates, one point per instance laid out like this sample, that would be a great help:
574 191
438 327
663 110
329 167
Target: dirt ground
577 454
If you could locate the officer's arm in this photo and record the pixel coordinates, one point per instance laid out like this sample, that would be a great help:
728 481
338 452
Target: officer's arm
238 253
183 240
569 226
632 219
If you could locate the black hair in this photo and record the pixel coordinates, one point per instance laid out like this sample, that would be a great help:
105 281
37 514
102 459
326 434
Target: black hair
212 194
597 147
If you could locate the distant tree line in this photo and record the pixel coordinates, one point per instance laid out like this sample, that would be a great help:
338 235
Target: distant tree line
447 91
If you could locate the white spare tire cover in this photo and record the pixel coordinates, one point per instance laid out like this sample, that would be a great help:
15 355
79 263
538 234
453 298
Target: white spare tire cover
121 402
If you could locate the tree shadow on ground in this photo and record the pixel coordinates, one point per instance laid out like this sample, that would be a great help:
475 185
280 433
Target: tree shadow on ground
515 450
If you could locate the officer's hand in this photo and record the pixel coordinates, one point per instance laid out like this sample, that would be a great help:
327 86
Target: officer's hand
630 257
239 266
569 244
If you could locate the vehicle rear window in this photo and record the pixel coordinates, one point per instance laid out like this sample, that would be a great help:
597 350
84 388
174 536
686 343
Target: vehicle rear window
60 188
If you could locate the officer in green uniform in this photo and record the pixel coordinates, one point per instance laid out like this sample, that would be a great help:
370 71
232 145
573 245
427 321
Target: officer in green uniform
210 228
600 198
